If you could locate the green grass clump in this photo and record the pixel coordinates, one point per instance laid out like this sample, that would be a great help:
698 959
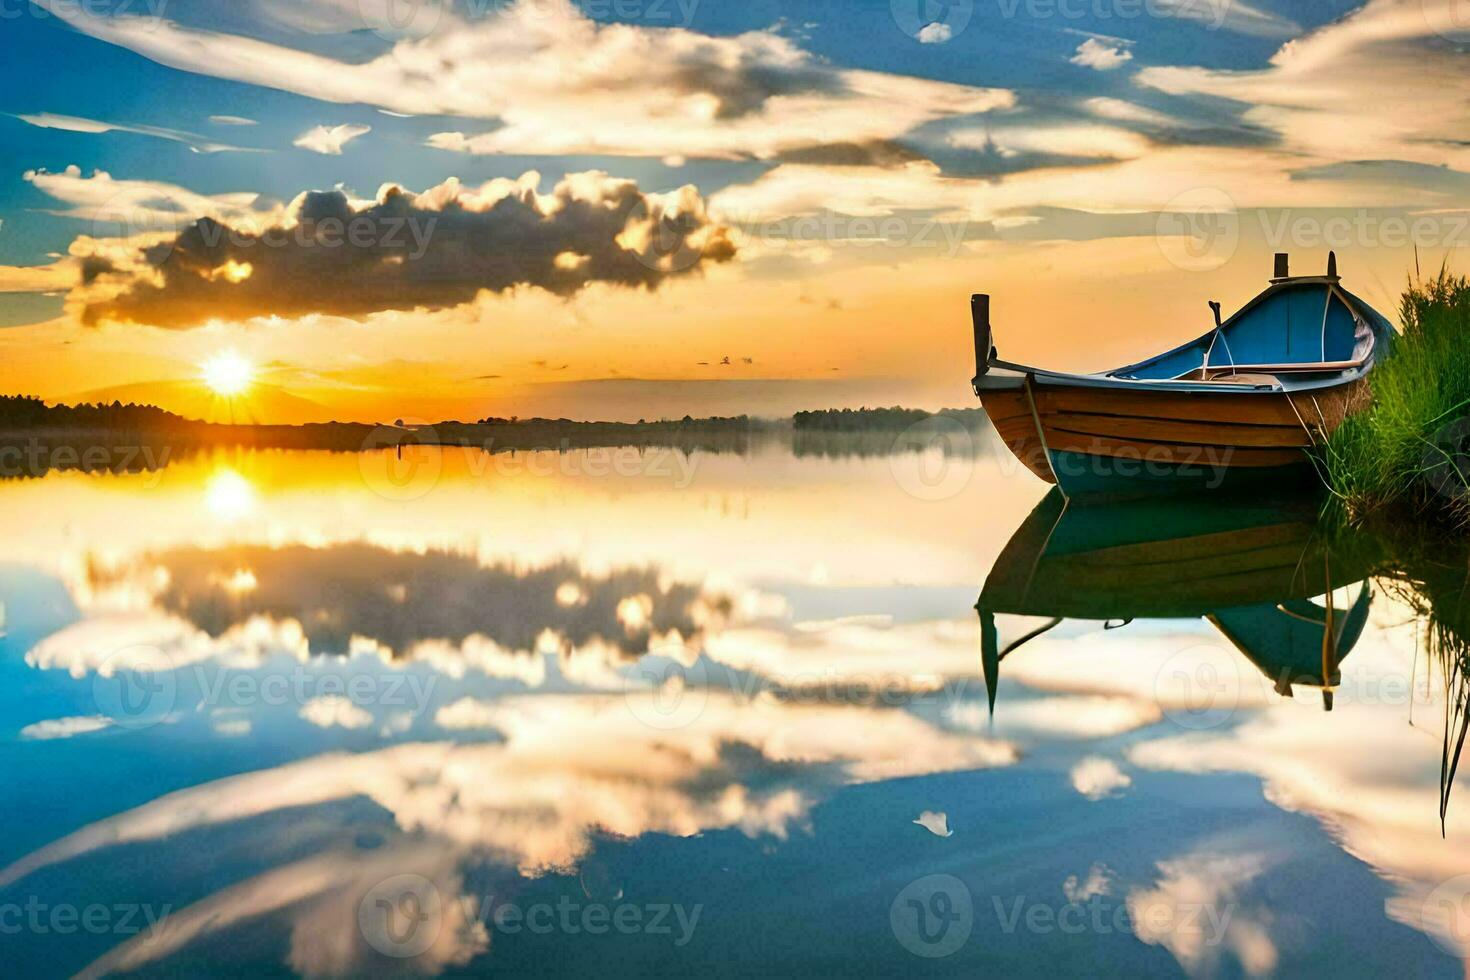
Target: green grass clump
1412 447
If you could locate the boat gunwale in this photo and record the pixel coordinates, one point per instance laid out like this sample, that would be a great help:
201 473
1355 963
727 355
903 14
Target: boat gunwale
1314 381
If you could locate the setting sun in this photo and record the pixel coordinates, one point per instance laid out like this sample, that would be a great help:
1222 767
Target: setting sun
227 373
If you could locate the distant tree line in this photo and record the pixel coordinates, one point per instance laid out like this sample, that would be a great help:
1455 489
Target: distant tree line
27 412
22 412
878 419
710 422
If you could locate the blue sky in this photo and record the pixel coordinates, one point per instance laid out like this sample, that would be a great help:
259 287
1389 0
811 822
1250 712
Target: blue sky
1019 125
112 84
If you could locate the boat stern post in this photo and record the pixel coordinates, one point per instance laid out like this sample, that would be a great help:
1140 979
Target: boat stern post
984 348
989 655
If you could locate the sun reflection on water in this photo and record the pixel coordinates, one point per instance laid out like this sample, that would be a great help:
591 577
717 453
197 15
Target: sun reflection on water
229 495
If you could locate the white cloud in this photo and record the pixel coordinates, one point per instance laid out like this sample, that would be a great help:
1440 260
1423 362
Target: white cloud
1379 798
321 897
1101 55
59 275
1341 71
935 33
1086 140
1230 15
847 651
231 121
77 124
54 728
119 641
936 822
335 711
1097 778
571 765
1124 111
559 82
329 140
466 713
1194 912
1098 882
137 205
111 641
1061 716
233 727
1384 67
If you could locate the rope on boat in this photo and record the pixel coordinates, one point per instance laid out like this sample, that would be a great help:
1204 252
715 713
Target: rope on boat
1040 432
1320 417
1305 428
1326 308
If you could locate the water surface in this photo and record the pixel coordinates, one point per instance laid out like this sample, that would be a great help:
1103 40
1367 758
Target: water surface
322 714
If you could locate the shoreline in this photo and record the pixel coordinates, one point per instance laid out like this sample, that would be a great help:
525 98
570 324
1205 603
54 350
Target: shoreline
29 451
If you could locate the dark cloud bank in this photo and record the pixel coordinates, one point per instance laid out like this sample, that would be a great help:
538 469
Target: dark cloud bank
406 251
402 599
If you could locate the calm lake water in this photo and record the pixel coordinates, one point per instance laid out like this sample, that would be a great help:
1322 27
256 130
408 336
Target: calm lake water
288 713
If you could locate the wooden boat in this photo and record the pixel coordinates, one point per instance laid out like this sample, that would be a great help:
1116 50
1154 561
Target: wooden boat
1251 568
1241 403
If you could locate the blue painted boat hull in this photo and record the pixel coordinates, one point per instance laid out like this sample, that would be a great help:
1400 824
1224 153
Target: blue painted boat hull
1244 405
1080 474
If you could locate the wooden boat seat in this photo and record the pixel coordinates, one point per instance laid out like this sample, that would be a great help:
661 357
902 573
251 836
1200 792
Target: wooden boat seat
1245 378
1226 376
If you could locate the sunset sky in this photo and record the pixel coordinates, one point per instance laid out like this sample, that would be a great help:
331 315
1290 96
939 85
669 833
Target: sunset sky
631 208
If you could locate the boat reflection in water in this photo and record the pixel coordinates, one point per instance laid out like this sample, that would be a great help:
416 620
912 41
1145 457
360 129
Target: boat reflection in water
1251 570
1290 590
